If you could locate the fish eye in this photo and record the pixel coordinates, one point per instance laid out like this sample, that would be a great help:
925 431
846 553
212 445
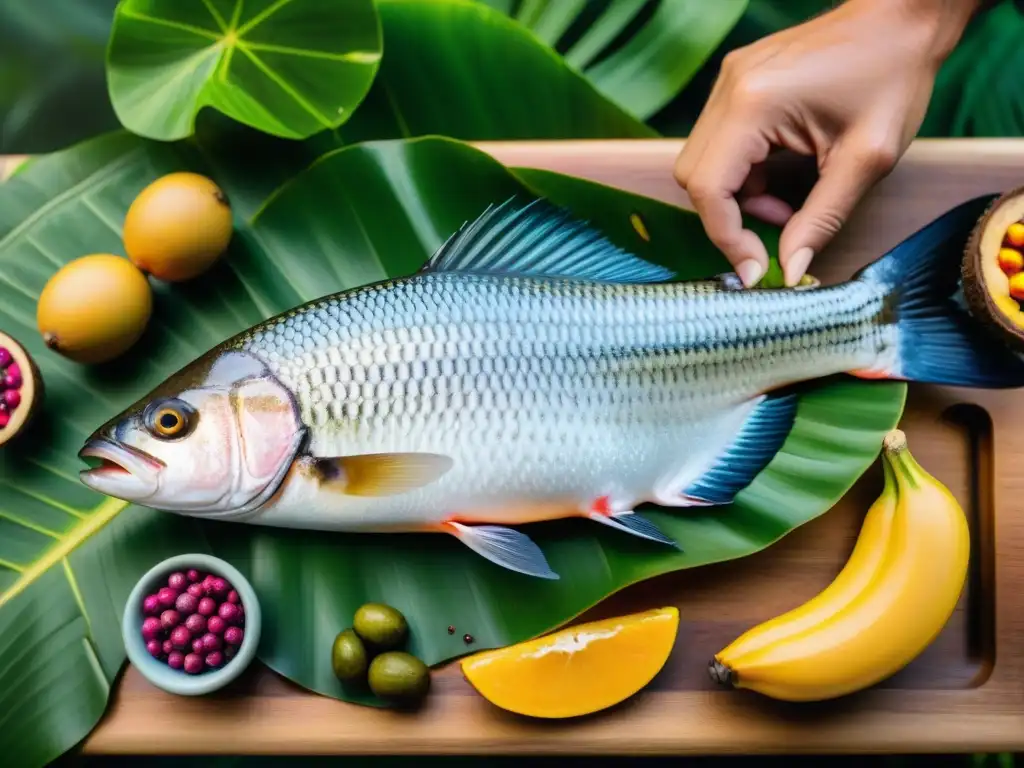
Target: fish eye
170 419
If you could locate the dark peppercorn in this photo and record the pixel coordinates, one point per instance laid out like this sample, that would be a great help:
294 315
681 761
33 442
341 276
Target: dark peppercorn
451 629
467 638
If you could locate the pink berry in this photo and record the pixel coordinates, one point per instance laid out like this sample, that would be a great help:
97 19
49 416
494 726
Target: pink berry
233 597
186 603
176 581
6 358
151 605
169 619
13 378
192 576
198 647
211 642
216 624
207 606
196 624
240 621
196 590
228 612
155 648
12 398
168 646
167 596
219 587
193 664
175 659
181 637
233 635
214 659
208 583
5 417
151 628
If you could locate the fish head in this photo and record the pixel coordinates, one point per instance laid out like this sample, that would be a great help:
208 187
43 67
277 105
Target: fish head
215 440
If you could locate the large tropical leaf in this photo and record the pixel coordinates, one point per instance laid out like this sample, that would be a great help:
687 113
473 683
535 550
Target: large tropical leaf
51 69
760 19
291 68
357 215
461 69
638 53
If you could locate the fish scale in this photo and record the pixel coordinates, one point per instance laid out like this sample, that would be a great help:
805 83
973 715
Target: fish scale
615 356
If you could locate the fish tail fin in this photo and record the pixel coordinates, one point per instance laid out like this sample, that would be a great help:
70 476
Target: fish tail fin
938 341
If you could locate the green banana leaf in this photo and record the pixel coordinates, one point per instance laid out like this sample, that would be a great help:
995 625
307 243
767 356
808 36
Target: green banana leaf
760 19
638 53
356 215
290 68
461 69
51 69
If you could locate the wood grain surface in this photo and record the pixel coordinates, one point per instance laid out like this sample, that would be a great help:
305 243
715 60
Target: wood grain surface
965 693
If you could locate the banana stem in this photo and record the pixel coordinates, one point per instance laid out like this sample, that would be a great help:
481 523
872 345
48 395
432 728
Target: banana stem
897 455
721 674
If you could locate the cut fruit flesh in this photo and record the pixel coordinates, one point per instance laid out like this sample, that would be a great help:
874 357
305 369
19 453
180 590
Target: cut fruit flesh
577 670
987 286
25 395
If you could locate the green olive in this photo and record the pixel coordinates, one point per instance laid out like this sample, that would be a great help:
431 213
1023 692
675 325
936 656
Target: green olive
348 656
399 677
381 626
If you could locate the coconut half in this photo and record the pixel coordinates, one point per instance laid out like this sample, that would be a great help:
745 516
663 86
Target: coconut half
986 285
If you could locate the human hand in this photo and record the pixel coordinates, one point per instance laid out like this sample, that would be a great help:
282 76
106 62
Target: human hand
849 87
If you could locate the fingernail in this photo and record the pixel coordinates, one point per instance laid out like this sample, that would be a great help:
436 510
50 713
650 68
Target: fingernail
797 265
749 271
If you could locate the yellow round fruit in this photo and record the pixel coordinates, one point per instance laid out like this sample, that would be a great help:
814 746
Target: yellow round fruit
178 227
94 308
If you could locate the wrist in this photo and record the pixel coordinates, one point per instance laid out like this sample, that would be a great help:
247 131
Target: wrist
933 27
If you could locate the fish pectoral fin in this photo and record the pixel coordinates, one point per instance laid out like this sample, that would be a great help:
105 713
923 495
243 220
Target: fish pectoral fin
505 547
638 525
755 445
382 474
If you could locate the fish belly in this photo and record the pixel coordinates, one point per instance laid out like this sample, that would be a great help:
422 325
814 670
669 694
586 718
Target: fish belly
546 395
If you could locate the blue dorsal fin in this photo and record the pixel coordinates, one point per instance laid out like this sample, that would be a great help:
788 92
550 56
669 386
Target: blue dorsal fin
542 240
760 438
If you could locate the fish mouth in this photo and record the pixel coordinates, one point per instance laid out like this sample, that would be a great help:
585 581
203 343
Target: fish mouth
124 472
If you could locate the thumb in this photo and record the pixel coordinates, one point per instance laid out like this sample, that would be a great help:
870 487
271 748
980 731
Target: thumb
848 174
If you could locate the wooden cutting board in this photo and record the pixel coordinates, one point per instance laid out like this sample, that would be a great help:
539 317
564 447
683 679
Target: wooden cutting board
965 693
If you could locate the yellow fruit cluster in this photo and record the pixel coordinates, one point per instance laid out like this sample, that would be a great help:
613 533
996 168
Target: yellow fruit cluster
98 306
1011 259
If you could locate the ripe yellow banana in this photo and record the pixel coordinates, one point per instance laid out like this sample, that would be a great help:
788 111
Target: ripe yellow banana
890 601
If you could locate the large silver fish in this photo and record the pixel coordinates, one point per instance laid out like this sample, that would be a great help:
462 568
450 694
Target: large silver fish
531 371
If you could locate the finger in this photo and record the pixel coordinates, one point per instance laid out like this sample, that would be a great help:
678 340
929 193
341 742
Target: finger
693 148
723 168
768 208
846 177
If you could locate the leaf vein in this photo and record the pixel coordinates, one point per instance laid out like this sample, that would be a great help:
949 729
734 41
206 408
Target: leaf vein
216 16
259 18
4 515
355 57
297 97
99 214
103 514
199 31
77 593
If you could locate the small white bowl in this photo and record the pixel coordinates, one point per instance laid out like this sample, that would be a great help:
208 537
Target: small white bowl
176 680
